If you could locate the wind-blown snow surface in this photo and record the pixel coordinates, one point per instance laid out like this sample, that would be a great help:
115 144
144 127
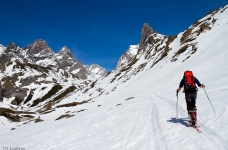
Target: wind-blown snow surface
141 113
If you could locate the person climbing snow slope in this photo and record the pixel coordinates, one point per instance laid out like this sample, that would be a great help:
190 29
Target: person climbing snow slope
189 82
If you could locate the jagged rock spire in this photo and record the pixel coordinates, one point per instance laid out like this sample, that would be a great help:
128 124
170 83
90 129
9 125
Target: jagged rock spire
146 31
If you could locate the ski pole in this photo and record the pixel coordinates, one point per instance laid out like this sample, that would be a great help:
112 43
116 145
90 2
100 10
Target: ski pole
209 99
177 108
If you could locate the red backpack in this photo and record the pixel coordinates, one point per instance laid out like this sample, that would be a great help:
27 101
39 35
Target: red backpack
189 81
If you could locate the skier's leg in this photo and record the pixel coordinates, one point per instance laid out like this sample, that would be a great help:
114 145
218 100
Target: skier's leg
190 100
194 95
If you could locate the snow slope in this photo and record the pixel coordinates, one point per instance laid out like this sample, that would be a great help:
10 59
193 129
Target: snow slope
141 113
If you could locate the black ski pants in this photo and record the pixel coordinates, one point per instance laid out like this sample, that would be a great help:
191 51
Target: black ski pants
191 100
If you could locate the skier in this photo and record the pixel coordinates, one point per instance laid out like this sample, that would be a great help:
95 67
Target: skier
190 91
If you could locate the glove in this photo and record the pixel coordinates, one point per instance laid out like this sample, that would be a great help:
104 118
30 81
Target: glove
202 86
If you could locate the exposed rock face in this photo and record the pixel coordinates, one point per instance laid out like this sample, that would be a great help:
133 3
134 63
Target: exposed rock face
65 58
146 32
11 47
40 53
39 50
78 70
2 67
8 53
65 51
70 64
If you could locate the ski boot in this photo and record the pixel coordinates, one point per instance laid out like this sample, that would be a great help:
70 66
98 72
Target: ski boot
193 118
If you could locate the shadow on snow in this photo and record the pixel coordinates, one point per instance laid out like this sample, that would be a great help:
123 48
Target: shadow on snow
183 121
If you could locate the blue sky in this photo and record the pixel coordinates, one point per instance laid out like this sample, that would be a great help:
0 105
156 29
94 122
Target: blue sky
96 31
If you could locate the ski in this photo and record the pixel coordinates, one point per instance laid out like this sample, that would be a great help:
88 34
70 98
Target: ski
196 127
189 122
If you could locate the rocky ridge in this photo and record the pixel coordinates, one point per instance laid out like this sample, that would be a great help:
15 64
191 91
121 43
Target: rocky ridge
41 54
25 71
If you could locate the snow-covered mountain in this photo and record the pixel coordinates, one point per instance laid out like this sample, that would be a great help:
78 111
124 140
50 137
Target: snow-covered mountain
41 54
95 71
27 71
127 56
134 106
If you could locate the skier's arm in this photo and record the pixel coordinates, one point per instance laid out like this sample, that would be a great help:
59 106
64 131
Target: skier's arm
180 86
198 83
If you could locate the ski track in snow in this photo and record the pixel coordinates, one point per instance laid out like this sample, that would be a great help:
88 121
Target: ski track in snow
159 139
141 123
131 131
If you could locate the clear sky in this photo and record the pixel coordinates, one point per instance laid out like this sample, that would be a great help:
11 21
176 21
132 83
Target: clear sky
96 31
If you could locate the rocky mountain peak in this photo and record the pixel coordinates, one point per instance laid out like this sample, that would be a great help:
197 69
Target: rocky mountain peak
146 32
70 64
38 46
39 42
12 46
39 50
6 53
65 51
66 58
